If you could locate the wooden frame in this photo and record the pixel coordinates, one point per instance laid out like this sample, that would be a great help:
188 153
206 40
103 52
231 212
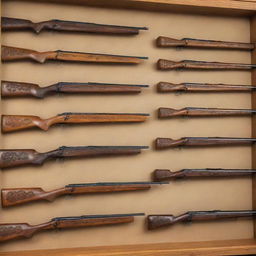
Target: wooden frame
226 247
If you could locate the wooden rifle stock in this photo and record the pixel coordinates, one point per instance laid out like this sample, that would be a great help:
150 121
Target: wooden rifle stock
15 54
12 123
11 231
20 157
166 175
165 143
20 89
14 24
158 221
200 87
203 112
163 64
163 41
17 196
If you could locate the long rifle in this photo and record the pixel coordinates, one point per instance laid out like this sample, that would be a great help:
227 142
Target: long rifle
21 157
16 54
203 112
17 196
20 89
166 175
12 123
203 87
11 231
201 65
164 143
14 24
163 41
158 221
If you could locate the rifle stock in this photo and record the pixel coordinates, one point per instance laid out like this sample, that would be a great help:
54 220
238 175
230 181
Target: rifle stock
11 231
159 221
163 41
11 123
163 64
165 143
17 196
15 54
13 24
203 112
20 157
19 89
168 175
200 87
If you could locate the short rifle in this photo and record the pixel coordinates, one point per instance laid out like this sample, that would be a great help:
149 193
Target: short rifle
12 123
163 41
200 87
17 54
11 231
203 112
158 221
20 89
164 143
202 65
14 24
21 157
166 175
17 196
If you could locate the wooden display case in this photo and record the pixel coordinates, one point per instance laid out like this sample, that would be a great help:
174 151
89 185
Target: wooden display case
206 18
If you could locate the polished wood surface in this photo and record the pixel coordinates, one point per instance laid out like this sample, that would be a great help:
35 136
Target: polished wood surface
16 54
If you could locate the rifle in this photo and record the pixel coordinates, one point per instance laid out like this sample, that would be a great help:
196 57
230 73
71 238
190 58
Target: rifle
19 89
21 157
11 231
158 221
202 65
16 54
12 123
163 41
203 112
17 196
164 143
165 174
200 87
14 24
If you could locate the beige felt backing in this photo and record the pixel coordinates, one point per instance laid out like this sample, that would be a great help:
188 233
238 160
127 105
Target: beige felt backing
176 198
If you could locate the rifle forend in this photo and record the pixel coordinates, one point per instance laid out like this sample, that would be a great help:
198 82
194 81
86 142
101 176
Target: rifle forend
164 143
13 24
20 89
11 231
20 157
158 221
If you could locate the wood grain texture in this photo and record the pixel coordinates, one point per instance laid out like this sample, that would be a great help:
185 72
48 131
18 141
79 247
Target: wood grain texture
223 7
253 39
209 248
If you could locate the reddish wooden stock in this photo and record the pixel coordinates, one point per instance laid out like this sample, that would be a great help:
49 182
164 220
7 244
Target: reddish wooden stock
12 123
163 41
15 54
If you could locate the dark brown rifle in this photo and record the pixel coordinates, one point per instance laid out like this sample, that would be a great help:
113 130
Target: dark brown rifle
11 231
17 196
163 41
164 143
21 157
158 221
202 65
16 54
203 112
13 24
166 175
20 89
12 123
200 87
